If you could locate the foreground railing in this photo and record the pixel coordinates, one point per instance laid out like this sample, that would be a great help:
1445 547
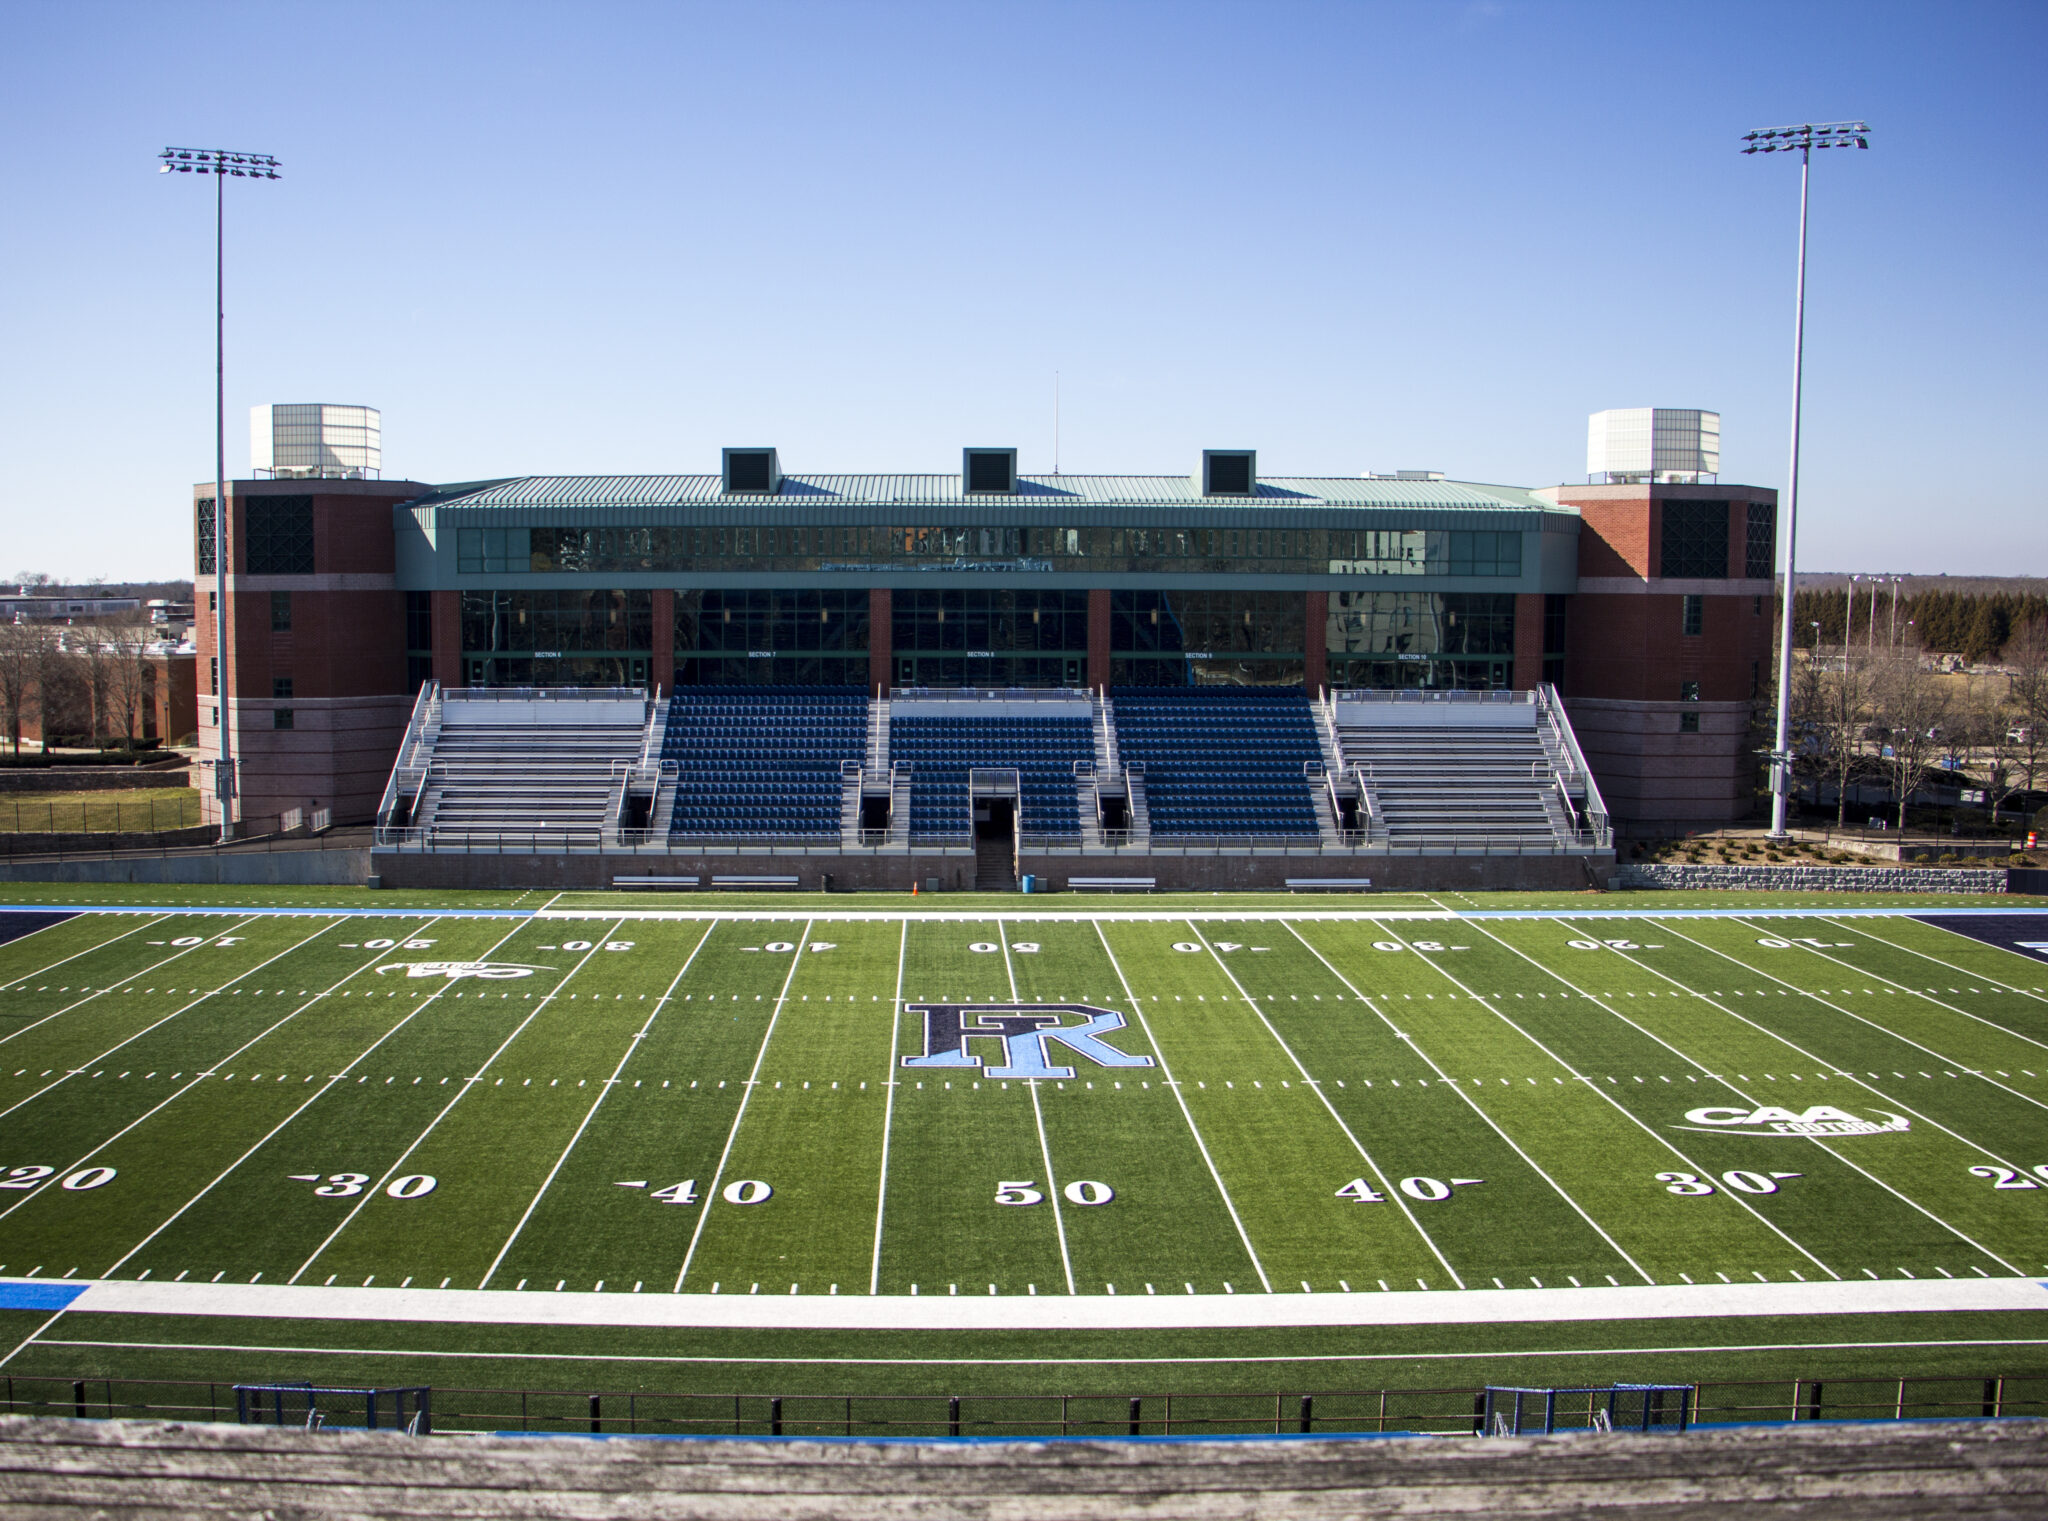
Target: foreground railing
1452 1411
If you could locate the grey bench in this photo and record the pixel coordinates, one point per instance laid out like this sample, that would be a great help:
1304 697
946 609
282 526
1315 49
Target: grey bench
1113 884
757 881
1329 884
628 882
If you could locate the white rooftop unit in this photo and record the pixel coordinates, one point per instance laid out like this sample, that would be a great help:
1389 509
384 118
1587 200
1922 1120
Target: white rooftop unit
1635 445
288 440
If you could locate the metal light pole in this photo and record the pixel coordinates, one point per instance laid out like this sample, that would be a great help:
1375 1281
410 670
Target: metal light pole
223 165
1849 624
1802 140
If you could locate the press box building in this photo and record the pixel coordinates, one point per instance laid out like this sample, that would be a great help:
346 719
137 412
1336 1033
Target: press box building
1641 596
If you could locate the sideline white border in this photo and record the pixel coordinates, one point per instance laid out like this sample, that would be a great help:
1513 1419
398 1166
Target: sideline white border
1047 1312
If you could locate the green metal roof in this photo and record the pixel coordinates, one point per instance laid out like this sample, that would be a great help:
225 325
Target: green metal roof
801 492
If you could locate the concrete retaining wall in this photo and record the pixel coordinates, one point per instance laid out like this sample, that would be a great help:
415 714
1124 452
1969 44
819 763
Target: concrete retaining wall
1867 879
1229 873
232 868
172 771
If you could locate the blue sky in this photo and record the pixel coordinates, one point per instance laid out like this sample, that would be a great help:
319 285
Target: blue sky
612 237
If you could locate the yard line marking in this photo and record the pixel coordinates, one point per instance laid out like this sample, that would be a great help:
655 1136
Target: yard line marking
1810 1056
420 1139
1860 1083
1194 1130
1961 971
1549 1353
1052 1182
40 971
1619 1107
746 1093
198 1078
144 972
1386 1183
311 1099
181 1009
1925 997
603 1092
38 1331
1473 1104
888 1112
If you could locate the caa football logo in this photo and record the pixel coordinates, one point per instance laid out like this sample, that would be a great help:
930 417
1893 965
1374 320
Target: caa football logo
1821 1119
493 971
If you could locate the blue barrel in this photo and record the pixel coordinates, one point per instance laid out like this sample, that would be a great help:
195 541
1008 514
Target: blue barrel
1028 882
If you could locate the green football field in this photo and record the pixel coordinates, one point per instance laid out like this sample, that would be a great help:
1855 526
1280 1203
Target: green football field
1126 1103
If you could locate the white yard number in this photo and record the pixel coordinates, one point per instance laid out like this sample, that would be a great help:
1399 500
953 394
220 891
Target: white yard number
342 1185
1429 945
415 1185
1594 945
984 947
190 940
1388 945
618 945
385 945
1692 1186
25 1177
773 945
684 1192
1428 1190
88 1177
1024 947
575 945
1088 1193
2005 1177
1361 1192
1185 945
1025 1192
747 1190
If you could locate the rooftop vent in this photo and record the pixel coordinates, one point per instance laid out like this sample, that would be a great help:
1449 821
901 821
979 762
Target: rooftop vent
989 470
1632 446
1418 475
752 470
1229 472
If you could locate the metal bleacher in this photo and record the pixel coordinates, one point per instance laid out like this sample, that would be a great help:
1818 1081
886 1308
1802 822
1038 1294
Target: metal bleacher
762 761
506 767
1470 770
1222 760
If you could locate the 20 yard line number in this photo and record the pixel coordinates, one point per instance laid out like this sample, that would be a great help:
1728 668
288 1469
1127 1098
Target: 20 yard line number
78 1182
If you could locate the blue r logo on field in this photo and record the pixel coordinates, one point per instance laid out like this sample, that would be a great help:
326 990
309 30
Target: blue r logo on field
1023 1029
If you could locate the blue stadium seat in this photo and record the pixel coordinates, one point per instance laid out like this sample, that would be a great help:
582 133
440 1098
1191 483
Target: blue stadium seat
1221 760
762 760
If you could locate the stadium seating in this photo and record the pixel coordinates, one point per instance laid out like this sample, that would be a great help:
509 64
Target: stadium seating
942 749
1221 760
1455 783
762 760
494 771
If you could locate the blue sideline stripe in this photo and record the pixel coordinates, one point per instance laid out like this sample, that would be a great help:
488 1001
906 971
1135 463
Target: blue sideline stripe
39 1296
276 913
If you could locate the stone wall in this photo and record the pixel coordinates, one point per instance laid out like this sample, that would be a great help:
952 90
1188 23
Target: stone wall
172 771
1830 879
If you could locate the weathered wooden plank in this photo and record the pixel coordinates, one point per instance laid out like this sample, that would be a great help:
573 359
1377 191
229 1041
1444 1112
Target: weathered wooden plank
1870 1472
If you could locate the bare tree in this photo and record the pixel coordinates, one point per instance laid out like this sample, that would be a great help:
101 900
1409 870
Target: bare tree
23 647
1913 707
129 685
1835 710
2026 658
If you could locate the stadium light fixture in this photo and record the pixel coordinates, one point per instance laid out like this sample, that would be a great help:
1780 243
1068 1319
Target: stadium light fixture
223 164
1802 139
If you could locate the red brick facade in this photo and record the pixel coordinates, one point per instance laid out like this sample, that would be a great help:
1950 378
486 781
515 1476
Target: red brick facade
1662 713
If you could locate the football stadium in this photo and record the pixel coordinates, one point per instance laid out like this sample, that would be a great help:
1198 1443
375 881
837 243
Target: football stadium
991 954
829 1163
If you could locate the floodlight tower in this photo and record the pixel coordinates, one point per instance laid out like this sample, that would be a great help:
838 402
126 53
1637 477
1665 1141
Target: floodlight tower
1801 140
223 165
